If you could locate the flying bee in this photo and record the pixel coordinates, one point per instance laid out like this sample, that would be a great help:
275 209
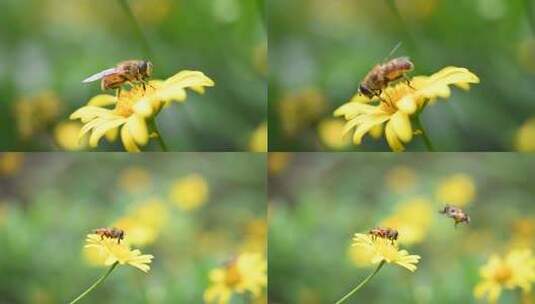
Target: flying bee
130 71
456 213
111 233
385 233
381 75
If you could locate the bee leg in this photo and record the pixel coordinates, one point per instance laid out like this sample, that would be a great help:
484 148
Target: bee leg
118 92
408 81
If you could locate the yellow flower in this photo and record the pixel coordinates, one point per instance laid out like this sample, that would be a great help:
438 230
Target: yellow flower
400 102
412 220
361 256
256 235
525 137
110 251
259 139
330 132
401 179
144 223
134 108
35 113
458 189
247 273
384 250
134 180
11 162
517 269
190 192
278 161
66 136
298 110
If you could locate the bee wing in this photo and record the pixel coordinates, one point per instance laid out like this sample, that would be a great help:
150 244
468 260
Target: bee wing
100 75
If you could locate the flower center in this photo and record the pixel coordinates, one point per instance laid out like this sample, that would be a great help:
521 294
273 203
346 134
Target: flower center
233 276
392 95
502 274
128 98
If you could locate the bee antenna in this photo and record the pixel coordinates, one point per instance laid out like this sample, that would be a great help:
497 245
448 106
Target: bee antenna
398 45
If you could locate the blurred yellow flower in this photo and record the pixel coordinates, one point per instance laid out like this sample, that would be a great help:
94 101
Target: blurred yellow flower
401 179
66 136
277 161
34 114
144 223
298 110
110 251
525 137
385 250
400 102
247 273
525 51
517 269
412 219
135 108
259 139
523 231
255 236
458 189
190 192
134 179
11 162
152 11
330 132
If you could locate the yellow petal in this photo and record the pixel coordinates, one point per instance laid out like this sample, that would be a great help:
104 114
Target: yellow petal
437 84
100 130
138 129
143 108
186 79
102 100
352 109
407 104
401 125
370 122
128 141
392 139
112 134
88 113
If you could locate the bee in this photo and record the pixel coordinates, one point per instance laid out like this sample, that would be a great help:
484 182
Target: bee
456 213
129 71
381 75
111 233
385 233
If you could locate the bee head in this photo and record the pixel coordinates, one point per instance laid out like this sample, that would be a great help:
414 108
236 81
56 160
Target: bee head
363 89
146 68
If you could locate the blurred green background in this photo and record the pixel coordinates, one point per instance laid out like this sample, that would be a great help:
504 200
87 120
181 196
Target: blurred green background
47 47
318 201
50 201
319 51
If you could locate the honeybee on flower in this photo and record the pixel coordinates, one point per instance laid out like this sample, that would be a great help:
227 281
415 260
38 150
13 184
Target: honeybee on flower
134 111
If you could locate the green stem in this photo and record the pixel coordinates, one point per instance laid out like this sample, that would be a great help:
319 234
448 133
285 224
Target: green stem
139 32
100 280
349 294
426 139
154 126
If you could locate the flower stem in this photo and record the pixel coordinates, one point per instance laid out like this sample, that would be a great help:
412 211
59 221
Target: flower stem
139 32
154 126
426 139
100 280
349 294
